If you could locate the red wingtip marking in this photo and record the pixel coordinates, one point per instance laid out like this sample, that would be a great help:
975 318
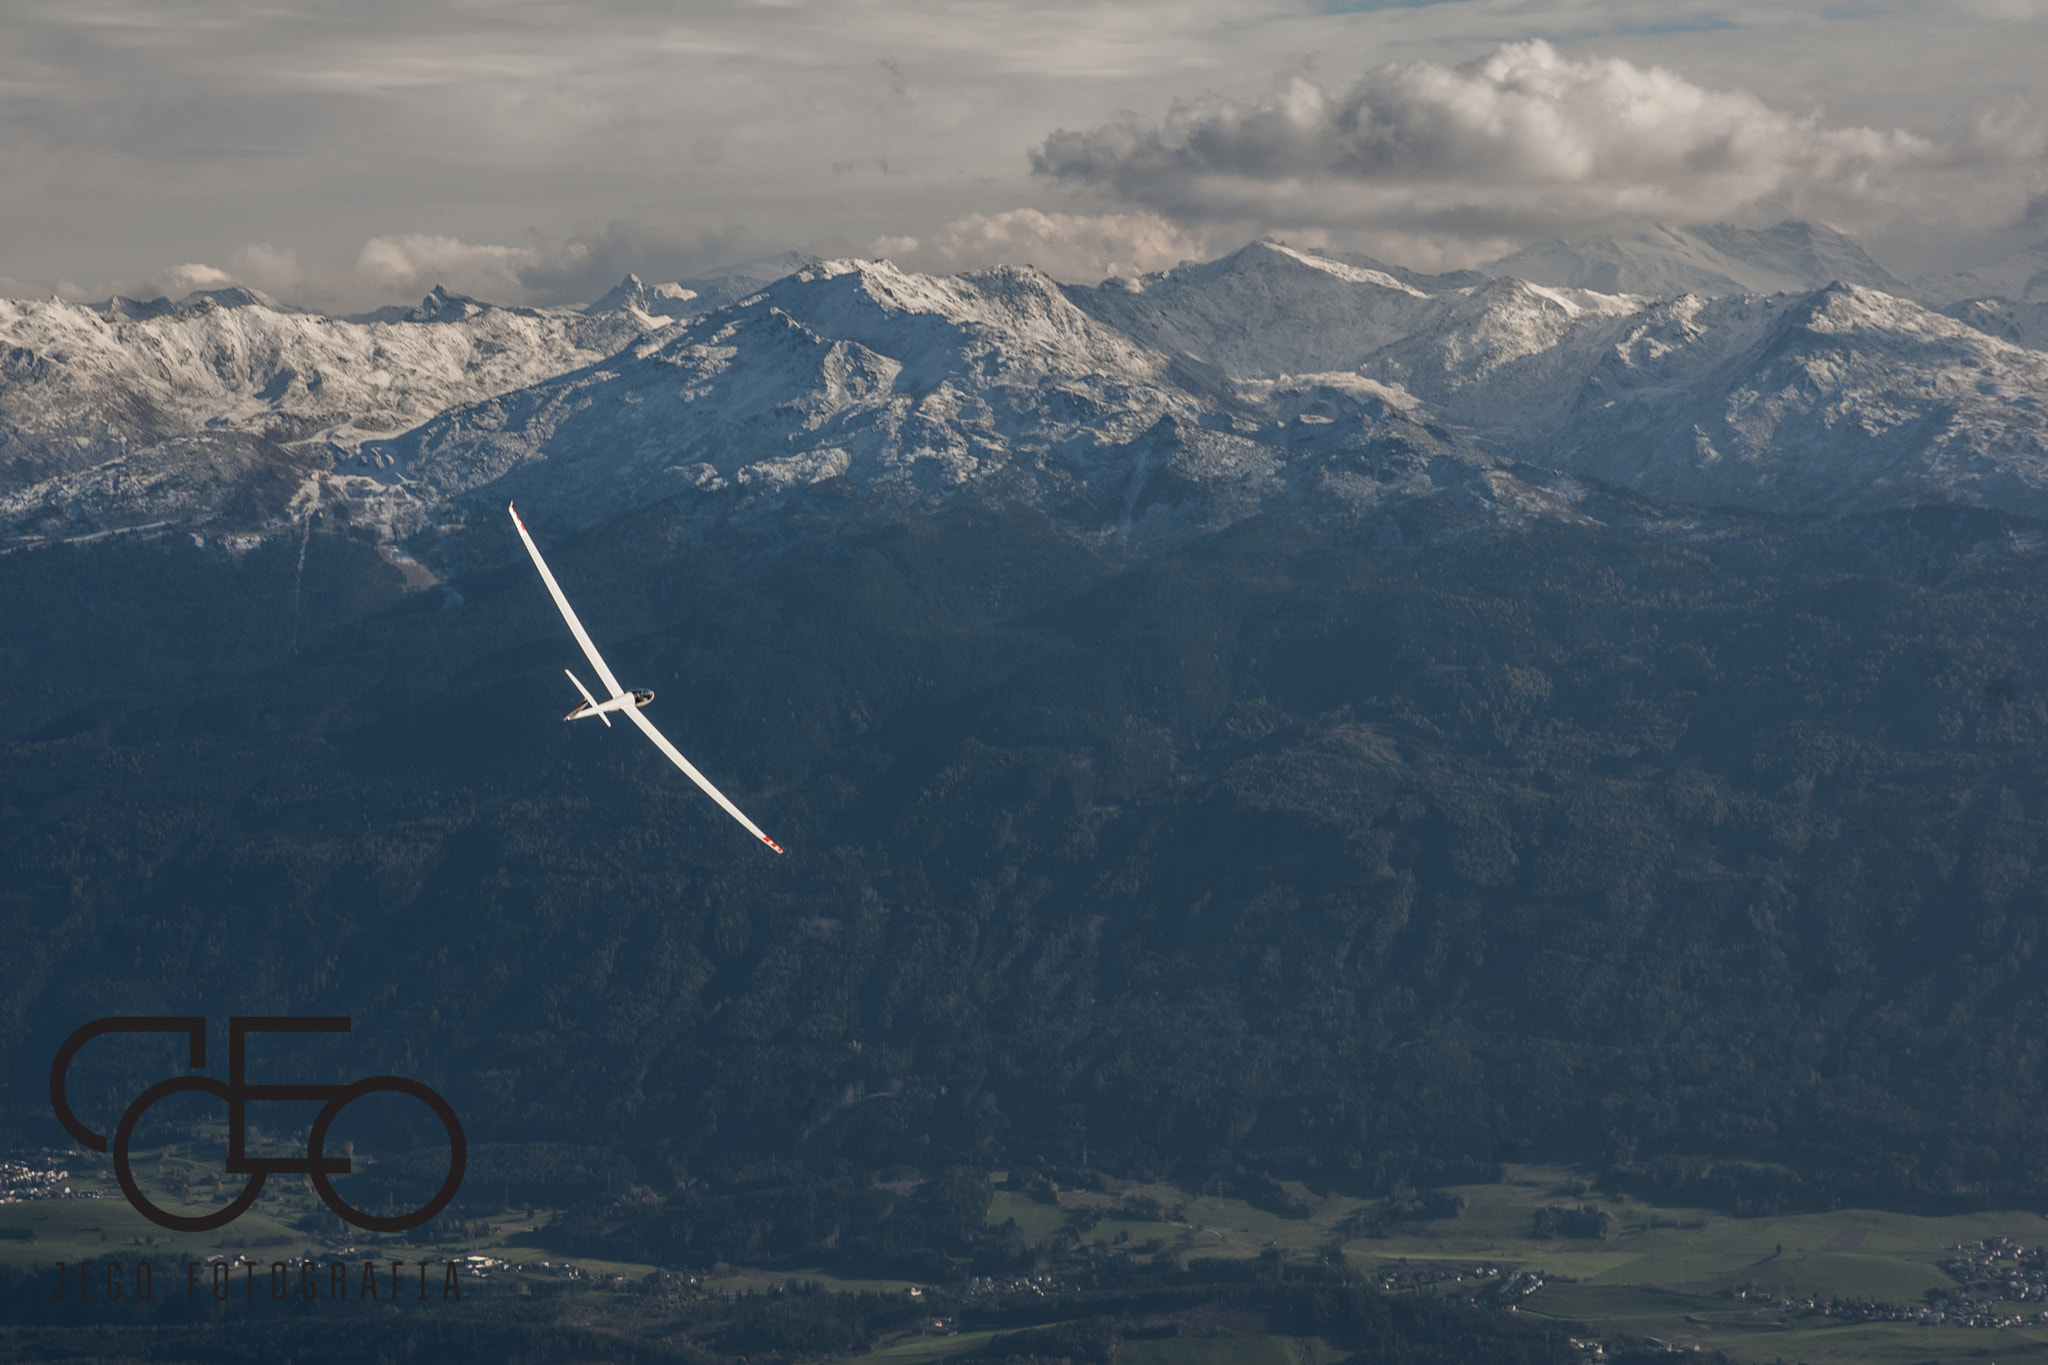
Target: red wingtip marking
771 843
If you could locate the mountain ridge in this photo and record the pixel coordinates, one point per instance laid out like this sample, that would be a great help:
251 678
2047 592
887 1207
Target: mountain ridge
1706 258
1286 380
912 390
140 414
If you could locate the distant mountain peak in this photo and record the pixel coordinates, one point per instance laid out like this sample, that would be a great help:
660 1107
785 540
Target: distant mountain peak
444 305
660 300
141 310
1343 270
441 304
1713 259
234 296
689 297
133 310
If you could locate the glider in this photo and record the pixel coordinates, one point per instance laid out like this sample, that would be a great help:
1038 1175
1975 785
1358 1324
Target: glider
621 701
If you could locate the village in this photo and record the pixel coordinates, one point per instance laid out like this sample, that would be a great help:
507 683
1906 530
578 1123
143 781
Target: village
39 1177
1990 1275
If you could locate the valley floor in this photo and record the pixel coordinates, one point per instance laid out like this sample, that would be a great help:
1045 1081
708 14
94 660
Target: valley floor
1853 1284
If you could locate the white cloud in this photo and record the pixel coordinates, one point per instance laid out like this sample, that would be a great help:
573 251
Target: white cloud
401 267
2013 133
183 279
1078 248
1521 141
414 261
130 141
171 282
263 267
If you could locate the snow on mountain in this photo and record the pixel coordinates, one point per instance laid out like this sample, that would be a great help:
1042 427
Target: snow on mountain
864 383
687 298
135 413
1269 312
1844 399
670 300
1711 258
1272 380
846 371
1502 359
2023 324
1265 310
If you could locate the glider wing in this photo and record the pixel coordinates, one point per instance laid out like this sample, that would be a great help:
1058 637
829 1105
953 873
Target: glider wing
675 756
604 674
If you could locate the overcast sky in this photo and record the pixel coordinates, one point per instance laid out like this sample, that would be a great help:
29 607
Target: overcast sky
349 154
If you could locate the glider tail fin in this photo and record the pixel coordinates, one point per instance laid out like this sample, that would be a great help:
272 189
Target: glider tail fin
589 706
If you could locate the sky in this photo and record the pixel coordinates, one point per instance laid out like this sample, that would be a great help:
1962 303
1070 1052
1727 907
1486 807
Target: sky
346 155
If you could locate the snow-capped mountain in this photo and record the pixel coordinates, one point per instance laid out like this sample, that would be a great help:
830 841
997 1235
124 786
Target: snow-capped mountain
1272 380
1707 258
1843 399
671 300
1833 399
1501 359
1487 355
687 298
128 413
2023 324
1264 311
864 383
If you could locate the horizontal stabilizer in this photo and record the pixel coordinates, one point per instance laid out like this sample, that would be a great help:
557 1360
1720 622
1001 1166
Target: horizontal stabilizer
589 707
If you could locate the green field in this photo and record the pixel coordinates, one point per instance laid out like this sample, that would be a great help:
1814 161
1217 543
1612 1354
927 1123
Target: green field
79 1229
1218 1350
1648 1277
918 1350
1228 1351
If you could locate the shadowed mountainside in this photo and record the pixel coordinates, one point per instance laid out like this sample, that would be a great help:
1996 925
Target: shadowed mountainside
1267 854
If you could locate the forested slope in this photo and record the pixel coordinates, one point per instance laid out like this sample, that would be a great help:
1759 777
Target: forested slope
1268 857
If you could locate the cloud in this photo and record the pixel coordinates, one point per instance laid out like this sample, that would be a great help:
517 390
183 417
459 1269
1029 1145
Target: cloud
413 261
183 279
2013 133
593 258
1521 141
130 141
547 270
400 267
263 267
1078 248
172 282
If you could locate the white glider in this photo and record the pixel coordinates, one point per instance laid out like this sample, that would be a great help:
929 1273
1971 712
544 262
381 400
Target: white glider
621 701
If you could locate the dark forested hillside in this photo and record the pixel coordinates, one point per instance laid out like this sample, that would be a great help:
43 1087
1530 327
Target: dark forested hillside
1269 858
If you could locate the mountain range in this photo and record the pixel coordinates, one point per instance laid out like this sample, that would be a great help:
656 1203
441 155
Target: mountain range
1284 718
1779 370
226 409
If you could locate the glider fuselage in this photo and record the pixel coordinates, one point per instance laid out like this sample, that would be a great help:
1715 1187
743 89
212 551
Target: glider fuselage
639 696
